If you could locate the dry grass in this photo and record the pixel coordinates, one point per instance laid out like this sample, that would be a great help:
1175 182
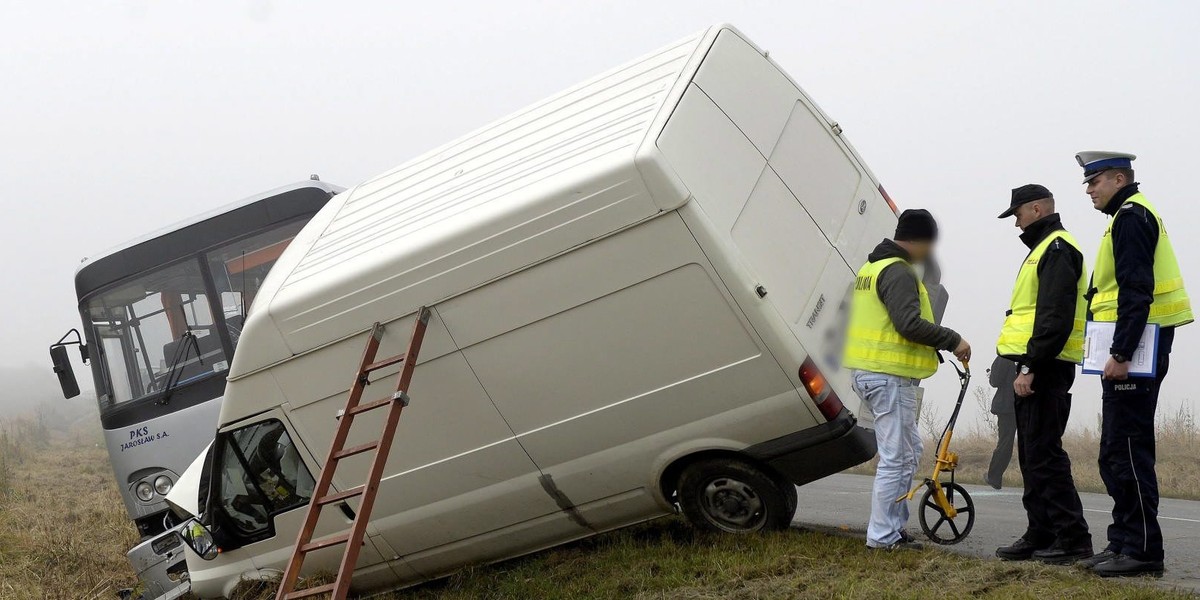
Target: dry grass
63 528
667 559
1178 446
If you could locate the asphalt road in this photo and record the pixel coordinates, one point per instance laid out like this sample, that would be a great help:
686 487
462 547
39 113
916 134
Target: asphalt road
843 502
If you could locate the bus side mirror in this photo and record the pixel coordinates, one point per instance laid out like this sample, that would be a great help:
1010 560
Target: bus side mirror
199 539
62 368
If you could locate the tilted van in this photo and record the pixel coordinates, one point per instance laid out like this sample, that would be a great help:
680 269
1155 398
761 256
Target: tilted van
637 287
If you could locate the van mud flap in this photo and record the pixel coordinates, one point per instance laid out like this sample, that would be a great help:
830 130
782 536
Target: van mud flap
811 454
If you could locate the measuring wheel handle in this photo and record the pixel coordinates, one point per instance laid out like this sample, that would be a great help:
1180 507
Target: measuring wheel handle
936 523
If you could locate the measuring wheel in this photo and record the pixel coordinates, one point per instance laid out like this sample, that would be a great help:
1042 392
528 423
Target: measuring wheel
941 528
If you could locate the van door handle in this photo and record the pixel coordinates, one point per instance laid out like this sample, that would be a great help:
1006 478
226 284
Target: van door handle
760 290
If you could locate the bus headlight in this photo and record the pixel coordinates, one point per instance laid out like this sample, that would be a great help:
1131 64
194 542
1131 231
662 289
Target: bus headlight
162 485
144 492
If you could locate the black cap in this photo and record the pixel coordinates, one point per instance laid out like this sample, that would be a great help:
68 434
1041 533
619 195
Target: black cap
916 225
1024 195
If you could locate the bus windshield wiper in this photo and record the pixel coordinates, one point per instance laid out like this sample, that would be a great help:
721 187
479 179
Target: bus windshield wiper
187 341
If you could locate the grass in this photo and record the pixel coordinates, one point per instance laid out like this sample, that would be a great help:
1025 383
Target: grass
1177 446
64 533
666 559
63 528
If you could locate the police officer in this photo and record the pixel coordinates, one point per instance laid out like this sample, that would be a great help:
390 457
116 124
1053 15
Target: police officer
891 346
1043 335
1136 281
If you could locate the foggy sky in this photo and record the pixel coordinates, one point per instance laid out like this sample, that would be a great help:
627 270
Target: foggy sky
117 118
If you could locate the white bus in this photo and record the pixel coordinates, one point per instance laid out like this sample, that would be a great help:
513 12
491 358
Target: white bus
637 288
162 316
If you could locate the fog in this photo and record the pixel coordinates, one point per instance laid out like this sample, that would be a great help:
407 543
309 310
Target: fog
119 118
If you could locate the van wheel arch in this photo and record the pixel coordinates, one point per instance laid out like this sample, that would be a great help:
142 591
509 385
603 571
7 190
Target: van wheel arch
670 476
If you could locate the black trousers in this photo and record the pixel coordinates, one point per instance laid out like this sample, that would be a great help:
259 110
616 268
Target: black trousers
1006 433
1127 463
1051 501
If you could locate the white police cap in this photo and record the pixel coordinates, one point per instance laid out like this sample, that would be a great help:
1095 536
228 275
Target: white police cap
1095 162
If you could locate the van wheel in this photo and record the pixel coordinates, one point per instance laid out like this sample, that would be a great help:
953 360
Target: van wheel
731 496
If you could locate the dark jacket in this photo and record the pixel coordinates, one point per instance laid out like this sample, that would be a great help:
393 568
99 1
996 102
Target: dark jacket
1001 376
1134 239
1058 274
897 289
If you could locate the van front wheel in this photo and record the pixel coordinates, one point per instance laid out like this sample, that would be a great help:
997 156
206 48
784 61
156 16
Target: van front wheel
732 496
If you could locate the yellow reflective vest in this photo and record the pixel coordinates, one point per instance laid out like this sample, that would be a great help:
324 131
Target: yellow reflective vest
872 343
1171 306
1018 326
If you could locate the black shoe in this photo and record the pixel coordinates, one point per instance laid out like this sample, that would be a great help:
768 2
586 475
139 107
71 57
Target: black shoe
1125 566
1064 554
1019 550
905 537
1090 563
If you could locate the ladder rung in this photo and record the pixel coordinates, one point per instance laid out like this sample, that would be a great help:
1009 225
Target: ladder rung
338 497
383 364
362 408
325 543
348 452
322 589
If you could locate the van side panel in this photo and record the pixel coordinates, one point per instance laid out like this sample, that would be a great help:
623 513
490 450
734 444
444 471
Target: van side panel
612 352
455 469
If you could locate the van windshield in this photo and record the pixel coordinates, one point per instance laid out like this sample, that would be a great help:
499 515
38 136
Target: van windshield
155 332
260 474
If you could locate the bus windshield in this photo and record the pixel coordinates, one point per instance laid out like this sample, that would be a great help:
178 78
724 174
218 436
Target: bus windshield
155 332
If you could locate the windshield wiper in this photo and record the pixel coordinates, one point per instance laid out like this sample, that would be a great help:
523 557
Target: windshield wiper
174 374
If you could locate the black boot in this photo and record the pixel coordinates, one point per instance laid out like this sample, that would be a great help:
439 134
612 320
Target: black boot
1089 563
1019 550
1064 553
1126 566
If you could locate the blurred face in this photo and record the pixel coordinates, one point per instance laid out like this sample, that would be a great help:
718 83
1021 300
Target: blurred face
920 251
1103 187
1029 213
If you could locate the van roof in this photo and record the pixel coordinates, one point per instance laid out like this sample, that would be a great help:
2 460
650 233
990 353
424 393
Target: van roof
572 168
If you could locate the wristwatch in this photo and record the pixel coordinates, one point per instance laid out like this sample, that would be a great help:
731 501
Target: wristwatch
1120 358
1025 370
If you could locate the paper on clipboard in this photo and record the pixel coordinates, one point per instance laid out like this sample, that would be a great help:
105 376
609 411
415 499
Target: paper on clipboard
1097 342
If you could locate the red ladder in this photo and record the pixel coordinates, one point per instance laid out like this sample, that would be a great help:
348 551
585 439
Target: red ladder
337 451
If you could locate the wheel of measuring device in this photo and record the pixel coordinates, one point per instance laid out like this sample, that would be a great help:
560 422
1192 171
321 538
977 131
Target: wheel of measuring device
940 528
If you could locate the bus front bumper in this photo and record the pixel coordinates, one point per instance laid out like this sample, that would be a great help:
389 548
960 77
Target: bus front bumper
160 566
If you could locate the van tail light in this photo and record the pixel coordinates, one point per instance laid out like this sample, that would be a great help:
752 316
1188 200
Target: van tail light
818 387
888 199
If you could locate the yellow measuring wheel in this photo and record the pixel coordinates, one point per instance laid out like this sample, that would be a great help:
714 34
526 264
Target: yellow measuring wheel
946 510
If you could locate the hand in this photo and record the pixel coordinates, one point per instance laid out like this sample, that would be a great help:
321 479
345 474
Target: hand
963 351
1115 370
1023 385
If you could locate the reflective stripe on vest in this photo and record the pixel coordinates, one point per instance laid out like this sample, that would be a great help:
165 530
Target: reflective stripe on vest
1018 326
872 343
1171 306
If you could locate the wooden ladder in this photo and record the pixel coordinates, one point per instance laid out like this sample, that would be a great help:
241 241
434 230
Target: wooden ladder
353 539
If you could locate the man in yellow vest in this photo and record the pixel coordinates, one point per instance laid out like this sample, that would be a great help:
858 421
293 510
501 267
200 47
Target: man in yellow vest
891 346
1043 335
1136 282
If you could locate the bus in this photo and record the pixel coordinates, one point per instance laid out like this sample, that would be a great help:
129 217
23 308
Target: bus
161 320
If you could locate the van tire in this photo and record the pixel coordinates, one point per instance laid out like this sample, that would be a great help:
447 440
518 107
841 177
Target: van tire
725 495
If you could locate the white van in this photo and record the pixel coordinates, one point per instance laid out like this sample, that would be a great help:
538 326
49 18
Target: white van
637 287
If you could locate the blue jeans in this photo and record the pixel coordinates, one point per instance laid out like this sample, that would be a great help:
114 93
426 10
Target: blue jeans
893 401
